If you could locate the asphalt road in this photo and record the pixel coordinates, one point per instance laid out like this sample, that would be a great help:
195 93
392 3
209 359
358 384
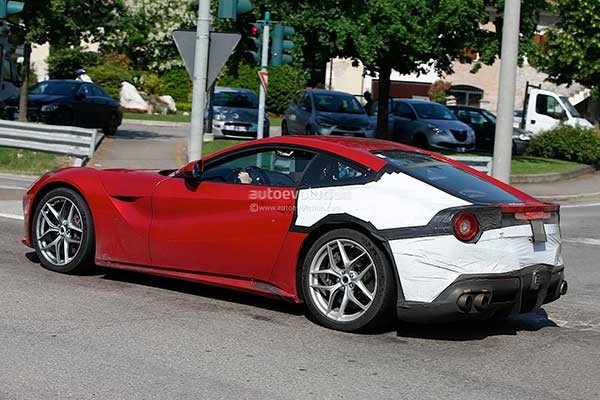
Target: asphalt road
115 335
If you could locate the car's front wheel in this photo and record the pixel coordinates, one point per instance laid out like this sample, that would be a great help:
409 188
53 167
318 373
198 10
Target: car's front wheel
347 282
112 125
63 232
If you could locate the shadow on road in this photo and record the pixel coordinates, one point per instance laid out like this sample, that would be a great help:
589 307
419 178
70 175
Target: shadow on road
478 330
139 135
198 289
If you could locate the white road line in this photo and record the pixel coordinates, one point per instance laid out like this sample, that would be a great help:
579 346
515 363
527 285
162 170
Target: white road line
581 205
12 216
588 241
12 187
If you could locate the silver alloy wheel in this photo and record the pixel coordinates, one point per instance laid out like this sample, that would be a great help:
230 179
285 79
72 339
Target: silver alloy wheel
343 280
59 230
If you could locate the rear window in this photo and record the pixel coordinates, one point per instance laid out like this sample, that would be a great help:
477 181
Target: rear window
446 177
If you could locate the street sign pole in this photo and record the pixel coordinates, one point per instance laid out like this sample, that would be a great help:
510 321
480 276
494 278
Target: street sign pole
506 94
200 74
264 68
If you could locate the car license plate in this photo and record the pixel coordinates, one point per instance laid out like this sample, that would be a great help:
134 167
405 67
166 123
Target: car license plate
239 128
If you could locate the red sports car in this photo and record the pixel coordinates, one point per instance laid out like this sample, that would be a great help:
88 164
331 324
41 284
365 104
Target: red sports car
358 229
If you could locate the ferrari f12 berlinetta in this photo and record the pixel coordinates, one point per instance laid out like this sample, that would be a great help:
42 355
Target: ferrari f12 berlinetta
358 229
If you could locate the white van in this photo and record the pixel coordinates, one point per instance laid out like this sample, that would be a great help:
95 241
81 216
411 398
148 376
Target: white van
546 110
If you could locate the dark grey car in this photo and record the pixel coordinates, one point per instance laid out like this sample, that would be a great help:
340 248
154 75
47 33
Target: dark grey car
235 113
326 112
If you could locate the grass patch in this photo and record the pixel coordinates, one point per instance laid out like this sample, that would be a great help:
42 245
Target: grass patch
524 165
218 144
28 162
179 117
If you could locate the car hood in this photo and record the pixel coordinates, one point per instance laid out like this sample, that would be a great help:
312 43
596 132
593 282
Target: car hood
237 114
447 124
42 99
361 120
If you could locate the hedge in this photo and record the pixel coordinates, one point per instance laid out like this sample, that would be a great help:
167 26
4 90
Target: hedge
569 143
62 63
110 78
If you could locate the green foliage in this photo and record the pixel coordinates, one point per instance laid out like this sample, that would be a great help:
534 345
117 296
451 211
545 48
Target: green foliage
117 59
439 91
177 83
110 78
151 84
569 143
284 81
570 50
62 63
183 106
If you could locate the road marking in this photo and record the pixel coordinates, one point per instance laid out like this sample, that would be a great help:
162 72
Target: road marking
12 187
12 216
588 241
581 205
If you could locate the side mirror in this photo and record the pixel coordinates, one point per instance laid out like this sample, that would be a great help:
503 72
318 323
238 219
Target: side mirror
193 170
80 96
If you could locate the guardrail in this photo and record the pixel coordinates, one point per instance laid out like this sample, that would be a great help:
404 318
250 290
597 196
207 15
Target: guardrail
66 140
480 163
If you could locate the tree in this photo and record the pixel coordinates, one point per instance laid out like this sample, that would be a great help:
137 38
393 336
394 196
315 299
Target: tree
143 32
570 50
62 23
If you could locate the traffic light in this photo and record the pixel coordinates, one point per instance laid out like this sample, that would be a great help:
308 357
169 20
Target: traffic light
281 44
252 42
10 8
232 8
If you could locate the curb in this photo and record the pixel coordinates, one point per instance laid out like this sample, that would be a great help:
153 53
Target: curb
163 124
553 177
569 197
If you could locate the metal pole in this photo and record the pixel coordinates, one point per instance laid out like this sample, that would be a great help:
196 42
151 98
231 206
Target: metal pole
264 67
196 134
506 93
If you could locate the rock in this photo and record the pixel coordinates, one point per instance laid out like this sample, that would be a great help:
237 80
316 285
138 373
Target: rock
170 102
131 100
158 106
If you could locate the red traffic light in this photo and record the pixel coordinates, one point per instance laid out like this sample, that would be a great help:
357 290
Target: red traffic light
254 30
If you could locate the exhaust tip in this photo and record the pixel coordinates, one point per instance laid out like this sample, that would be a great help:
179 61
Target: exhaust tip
465 302
482 301
564 287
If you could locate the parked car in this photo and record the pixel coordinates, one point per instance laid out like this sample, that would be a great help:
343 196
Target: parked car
294 218
483 123
326 112
74 103
426 124
235 114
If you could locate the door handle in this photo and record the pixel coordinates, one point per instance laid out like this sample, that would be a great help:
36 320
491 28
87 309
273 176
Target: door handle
532 122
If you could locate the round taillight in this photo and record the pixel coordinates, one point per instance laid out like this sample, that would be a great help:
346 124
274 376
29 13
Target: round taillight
466 226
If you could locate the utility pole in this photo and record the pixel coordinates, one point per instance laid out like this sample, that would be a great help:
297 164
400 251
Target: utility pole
506 92
196 134
264 66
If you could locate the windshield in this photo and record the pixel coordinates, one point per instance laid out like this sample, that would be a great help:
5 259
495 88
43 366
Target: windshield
337 103
572 110
236 99
64 88
446 177
490 116
433 111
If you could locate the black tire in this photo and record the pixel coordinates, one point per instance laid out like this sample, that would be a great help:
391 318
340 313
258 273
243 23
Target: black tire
83 259
112 125
284 128
308 131
421 141
379 310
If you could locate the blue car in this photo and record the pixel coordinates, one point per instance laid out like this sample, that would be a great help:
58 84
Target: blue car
326 112
427 124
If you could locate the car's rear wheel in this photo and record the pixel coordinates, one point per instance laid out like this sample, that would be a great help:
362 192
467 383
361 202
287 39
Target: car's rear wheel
284 128
112 125
63 232
347 281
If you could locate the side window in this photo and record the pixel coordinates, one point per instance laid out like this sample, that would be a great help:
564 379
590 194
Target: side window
548 105
98 92
477 118
298 98
305 103
403 110
282 168
86 90
328 170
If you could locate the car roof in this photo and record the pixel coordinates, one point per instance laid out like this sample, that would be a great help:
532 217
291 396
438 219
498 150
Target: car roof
356 149
65 80
465 107
325 91
416 101
232 89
